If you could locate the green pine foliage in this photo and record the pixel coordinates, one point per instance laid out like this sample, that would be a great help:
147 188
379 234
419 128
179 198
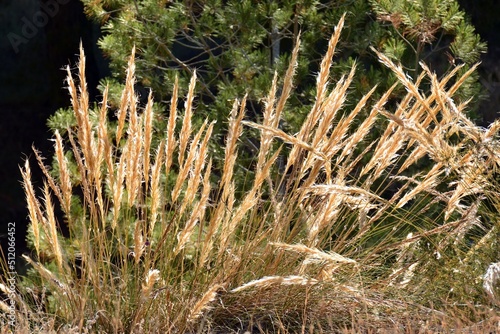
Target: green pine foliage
434 32
236 46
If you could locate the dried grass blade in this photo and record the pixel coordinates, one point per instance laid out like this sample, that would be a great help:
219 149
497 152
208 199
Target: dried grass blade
127 94
361 131
288 82
155 185
171 142
84 128
197 214
133 154
268 281
235 130
407 82
322 81
202 304
286 138
51 220
429 183
52 183
35 213
64 175
186 120
118 189
148 129
187 166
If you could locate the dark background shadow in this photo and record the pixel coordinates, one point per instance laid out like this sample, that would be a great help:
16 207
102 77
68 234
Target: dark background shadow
36 43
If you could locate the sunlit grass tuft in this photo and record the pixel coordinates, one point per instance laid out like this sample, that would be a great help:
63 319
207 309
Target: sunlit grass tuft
358 233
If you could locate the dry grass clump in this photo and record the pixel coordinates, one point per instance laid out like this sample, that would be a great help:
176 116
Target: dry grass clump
356 235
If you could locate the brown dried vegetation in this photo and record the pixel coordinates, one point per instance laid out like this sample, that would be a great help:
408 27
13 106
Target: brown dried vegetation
363 238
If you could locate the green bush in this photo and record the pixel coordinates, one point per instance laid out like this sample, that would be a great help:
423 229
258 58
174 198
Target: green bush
236 47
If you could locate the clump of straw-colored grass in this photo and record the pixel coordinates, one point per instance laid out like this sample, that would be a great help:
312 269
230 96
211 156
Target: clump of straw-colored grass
348 238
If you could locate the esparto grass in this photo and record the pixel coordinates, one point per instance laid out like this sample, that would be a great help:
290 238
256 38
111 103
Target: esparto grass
354 236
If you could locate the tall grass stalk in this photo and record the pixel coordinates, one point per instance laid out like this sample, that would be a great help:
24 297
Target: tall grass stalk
357 233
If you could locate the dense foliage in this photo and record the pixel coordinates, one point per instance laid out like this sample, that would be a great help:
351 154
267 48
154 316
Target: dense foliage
236 46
